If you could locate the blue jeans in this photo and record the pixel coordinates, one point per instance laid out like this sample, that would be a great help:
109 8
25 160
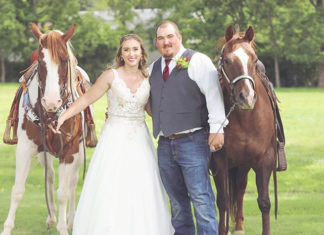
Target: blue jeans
183 165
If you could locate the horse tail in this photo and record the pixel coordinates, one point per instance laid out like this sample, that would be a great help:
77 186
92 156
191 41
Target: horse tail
275 192
232 191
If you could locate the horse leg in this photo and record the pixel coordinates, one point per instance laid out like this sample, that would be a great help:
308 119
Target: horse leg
24 152
78 160
241 182
63 196
51 219
263 174
67 172
218 168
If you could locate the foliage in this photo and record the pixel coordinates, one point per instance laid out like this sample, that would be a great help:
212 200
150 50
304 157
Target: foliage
10 28
95 44
290 30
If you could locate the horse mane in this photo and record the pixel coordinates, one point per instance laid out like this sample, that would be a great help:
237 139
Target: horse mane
59 50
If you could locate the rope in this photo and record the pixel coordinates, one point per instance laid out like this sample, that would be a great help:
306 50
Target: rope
43 132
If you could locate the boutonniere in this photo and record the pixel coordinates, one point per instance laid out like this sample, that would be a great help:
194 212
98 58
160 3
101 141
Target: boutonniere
183 63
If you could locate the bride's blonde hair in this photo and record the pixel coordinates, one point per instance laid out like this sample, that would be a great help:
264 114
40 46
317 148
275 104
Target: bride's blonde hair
119 60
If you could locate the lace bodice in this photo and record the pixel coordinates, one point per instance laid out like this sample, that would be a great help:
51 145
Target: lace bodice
124 103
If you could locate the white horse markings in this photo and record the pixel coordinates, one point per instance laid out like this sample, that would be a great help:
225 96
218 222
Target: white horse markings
244 58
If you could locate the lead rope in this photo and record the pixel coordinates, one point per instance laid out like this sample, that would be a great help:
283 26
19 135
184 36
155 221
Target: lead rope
84 150
226 167
43 132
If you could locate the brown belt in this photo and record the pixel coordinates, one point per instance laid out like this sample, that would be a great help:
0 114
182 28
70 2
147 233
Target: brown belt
177 136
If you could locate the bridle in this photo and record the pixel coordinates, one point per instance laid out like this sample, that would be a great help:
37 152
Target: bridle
233 82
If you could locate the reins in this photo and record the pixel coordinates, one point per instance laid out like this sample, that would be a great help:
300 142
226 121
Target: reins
43 130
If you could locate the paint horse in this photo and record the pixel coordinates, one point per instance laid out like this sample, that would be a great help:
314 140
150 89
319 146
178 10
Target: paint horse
250 137
49 92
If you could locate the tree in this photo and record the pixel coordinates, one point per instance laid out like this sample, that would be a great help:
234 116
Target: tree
10 31
319 34
95 44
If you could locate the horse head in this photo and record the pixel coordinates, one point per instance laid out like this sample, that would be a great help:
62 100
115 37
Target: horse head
55 62
238 67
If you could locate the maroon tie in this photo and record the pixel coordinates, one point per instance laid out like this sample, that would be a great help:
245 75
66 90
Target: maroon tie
166 69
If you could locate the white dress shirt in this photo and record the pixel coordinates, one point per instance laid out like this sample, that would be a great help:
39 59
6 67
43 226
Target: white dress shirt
202 70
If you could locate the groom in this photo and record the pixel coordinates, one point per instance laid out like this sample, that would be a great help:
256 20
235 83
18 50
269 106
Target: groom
188 113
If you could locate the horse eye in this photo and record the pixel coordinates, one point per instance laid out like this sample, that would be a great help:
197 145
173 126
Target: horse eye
227 61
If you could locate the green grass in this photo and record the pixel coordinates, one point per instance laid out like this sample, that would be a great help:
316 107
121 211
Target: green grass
301 188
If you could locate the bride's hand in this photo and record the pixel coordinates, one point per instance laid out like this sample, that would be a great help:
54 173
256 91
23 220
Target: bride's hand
59 123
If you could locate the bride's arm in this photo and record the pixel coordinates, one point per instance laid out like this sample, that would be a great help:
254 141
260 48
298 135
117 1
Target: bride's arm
102 84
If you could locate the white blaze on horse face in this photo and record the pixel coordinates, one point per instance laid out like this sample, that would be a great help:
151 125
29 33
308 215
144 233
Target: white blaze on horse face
244 58
51 99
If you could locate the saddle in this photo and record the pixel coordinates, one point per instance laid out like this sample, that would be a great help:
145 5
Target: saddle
280 135
82 85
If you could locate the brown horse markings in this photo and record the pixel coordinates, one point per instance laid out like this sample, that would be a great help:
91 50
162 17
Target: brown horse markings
250 140
54 83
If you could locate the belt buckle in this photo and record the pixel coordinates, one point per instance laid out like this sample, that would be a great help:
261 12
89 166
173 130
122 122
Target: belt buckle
172 137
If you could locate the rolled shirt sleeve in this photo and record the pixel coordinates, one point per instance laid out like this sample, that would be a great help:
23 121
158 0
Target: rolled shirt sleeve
202 70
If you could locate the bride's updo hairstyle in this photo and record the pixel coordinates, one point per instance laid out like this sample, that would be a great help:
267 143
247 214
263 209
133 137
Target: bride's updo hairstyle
142 63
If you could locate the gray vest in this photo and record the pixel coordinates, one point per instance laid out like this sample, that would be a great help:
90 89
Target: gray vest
177 104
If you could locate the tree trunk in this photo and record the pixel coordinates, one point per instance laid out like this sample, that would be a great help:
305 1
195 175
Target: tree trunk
277 74
274 43
321 75
3 68
319 7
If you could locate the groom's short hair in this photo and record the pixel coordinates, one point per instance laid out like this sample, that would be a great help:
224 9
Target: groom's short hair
165 23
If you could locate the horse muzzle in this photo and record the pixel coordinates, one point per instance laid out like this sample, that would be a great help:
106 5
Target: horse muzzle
246 101
51 105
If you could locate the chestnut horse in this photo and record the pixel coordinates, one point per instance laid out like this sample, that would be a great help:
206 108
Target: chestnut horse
48 93
250 140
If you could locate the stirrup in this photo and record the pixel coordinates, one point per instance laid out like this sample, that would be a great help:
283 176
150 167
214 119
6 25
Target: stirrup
6 136
282 161
91 138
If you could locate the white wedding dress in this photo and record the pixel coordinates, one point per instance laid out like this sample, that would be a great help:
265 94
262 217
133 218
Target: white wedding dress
123 192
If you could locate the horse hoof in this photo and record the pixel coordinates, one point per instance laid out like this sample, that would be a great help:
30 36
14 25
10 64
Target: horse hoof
6 231
239 232
50 221
70 226
64 233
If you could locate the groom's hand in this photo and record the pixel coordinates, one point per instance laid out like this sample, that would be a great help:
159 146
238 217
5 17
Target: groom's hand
215 141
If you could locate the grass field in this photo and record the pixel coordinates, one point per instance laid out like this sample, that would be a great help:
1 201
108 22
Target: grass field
301 188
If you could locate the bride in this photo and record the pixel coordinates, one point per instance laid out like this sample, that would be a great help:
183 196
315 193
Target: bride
122 193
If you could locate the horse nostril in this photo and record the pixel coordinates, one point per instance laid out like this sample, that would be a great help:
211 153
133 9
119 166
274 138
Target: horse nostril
242 96
59 101
43 101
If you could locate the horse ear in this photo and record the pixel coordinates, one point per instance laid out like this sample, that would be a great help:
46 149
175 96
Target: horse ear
69 33
229 33
35 30
249 34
